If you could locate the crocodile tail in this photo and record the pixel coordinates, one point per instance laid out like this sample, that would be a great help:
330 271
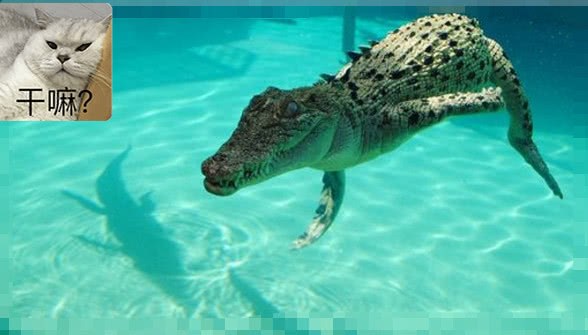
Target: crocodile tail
520 132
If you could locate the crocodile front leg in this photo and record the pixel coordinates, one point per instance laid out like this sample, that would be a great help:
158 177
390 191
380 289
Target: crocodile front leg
330 202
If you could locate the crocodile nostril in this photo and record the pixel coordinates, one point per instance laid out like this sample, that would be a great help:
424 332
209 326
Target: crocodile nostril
216 166
209 167
204 167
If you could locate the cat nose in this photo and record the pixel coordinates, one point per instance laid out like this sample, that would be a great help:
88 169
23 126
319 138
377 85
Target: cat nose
63 58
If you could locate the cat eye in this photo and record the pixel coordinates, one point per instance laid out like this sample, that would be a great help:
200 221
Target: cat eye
51 45
83 47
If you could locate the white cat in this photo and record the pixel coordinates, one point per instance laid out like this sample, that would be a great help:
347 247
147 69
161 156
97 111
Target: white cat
15 31
59 53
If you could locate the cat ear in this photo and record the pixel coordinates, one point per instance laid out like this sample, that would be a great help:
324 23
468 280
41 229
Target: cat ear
106 21
43 19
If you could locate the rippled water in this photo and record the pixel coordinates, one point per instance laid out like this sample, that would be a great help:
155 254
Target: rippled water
453 221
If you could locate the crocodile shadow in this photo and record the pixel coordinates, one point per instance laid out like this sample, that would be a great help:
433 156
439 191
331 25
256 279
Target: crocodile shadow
138 235
260 306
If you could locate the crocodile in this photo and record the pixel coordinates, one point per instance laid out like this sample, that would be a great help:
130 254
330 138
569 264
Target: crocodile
435 67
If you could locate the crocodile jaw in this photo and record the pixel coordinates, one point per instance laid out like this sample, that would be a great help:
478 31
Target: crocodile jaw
229 170
217 189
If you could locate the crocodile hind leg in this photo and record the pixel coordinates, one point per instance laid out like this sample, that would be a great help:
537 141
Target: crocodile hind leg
331 199
520 131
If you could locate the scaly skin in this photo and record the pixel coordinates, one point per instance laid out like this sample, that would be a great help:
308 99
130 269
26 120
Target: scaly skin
423 72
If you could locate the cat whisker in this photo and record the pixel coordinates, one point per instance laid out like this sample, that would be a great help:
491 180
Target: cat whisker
102 79
104 83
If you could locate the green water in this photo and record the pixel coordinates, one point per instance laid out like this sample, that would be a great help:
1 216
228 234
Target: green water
452 222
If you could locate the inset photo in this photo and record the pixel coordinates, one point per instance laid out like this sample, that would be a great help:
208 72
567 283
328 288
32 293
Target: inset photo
55 62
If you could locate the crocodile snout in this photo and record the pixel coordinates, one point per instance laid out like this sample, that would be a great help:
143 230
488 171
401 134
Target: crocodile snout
216 167
219 175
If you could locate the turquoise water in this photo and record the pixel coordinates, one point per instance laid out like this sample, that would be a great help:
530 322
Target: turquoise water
452 222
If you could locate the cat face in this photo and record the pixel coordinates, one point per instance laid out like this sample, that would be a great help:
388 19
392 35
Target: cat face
65 52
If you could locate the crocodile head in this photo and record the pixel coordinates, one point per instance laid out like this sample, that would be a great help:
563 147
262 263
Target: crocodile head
279 131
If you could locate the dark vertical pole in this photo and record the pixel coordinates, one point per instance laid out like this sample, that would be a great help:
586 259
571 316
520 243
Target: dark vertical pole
348 28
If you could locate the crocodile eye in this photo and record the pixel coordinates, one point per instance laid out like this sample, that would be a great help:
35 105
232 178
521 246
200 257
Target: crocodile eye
52 45
291 109
83 47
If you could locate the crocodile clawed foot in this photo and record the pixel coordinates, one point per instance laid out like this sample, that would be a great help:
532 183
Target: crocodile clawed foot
317 227
330 202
